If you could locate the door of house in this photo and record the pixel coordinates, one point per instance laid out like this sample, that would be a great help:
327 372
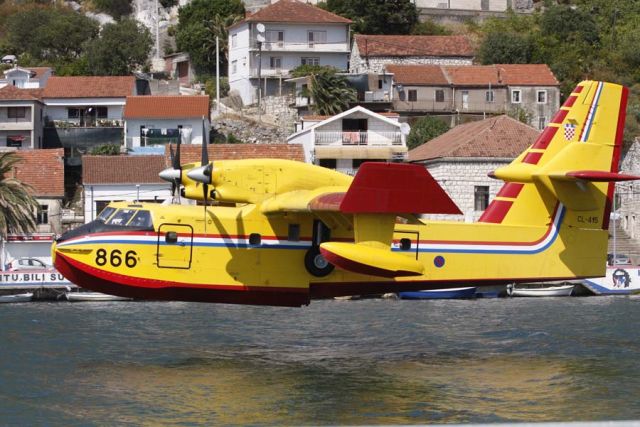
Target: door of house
354 131
465 99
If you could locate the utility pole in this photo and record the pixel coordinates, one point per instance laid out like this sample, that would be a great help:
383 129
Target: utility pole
260 39
157 31
217 76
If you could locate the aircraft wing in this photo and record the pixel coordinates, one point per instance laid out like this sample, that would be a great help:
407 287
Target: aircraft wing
379 193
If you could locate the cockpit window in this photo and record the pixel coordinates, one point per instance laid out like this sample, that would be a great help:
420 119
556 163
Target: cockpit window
121 217
105 214
141 220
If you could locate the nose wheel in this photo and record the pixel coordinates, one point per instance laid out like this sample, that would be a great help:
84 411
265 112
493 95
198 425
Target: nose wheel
316 264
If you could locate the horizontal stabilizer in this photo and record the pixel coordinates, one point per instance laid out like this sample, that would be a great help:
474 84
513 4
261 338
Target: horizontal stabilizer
397 188
374 261
594 176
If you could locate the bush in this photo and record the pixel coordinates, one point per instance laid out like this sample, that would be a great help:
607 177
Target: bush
425 129
106 150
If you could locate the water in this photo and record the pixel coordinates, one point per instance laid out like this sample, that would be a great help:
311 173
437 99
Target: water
334 362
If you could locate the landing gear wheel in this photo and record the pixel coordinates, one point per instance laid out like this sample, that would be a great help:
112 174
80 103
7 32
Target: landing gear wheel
315 263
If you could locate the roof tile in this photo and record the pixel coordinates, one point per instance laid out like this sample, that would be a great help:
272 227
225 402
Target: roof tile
90 87
12 93
166 107
499 137
418 74
122 169
42 169
295 12
397 45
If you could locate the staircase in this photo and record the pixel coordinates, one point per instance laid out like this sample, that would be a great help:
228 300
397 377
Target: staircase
624 244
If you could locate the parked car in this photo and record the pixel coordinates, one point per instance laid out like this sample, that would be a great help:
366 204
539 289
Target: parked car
620 259
27 264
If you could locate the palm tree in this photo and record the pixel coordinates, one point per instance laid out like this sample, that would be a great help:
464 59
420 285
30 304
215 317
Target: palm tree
17 204
331 93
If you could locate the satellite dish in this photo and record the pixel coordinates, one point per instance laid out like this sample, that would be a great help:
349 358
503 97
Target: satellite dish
405 128
260 27
260 38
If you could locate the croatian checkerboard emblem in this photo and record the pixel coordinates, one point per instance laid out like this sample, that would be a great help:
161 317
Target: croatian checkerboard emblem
569 131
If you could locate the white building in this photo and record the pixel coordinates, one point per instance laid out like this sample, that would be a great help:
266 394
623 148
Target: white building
346 140
371 53
153 120
461 159
26 78
280 37
21 113
122 178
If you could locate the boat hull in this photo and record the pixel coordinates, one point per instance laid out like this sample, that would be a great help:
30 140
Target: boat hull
554 291
26 297
617 281
454 293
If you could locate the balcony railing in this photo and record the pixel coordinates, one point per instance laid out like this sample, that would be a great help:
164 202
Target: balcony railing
86 123
354 138
302 46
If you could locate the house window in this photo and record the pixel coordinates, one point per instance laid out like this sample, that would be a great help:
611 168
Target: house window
16 112
42 216
275 62
328 163
541 96
489 96
234 40
542 122
234 67
516 96
275 38
379 83
73 113
309 61
316 37
439 95
413 95
15 141
101 112
480 197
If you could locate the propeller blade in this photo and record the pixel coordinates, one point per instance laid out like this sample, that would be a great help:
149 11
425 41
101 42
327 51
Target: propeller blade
205 153
176 159
171 154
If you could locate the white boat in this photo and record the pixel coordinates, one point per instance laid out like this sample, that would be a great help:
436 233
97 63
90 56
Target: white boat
619 280
16 297
548 291
93 296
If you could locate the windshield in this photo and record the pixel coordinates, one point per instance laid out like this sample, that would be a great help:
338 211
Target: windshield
105 214
121 217
141 220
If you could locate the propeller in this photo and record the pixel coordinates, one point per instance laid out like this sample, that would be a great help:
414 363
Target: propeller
173 174
202 174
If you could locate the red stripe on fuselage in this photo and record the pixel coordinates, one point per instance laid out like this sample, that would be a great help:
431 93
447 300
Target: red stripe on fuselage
510 189
545 138
496 211
532 158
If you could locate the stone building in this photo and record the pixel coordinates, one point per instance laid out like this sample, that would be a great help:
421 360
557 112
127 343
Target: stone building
461 159
371 53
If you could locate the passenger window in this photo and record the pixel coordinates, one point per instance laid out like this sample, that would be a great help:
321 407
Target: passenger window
255 239
405 244
142 219
121 217
294 232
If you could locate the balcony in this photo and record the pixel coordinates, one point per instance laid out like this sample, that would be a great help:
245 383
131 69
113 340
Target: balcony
330 47
85 123
356 138
14 125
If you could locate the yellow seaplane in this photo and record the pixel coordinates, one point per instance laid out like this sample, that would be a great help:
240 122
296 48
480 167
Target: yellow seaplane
278 232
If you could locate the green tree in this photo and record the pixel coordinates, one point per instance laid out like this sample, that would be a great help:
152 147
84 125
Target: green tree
430 28
106 150
377 16
122 48
505 48
425 129
51 35
17 204
330 92
199 23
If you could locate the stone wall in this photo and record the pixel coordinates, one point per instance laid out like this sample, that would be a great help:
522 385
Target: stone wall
458 177
248 130
628 193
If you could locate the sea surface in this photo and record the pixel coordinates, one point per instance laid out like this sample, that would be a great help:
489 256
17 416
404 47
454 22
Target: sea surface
333 362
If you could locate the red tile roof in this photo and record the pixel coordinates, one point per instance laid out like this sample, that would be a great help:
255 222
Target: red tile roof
43 170
418 74
474 75
527 75
38 71
12 93
122 169
295 12
166 107
191 153
90 87
499 137
377 45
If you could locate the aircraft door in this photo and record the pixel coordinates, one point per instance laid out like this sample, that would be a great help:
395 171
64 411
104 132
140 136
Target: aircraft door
175 246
